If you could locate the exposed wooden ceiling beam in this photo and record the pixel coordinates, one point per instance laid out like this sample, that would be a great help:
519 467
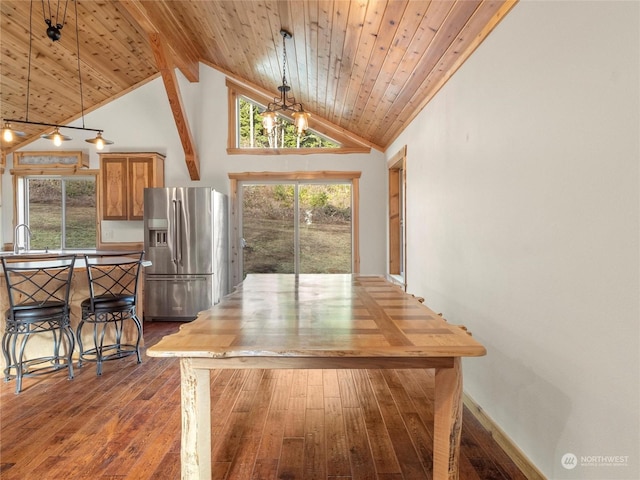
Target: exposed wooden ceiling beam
184 54
168 73
169 51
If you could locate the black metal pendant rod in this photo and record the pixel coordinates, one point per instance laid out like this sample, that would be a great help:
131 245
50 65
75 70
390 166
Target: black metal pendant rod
44 124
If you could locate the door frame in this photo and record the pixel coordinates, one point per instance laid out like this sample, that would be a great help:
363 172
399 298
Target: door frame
271 177
397 224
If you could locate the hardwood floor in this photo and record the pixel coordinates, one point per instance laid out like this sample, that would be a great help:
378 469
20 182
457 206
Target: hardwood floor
267 424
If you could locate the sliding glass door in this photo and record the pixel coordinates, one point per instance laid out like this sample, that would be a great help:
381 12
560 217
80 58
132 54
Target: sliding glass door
296 227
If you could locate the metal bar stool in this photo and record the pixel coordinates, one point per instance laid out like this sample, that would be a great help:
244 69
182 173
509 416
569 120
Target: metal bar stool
38 291
113 287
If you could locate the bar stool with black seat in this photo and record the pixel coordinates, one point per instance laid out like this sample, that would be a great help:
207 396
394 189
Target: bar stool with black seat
113 288
38 291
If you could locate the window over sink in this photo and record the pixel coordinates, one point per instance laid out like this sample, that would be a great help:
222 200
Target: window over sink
60 209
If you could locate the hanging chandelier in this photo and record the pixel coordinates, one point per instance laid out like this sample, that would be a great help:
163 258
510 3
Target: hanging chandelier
285 103
54 33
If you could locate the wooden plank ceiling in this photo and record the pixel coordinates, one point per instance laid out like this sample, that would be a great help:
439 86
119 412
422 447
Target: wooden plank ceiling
365 66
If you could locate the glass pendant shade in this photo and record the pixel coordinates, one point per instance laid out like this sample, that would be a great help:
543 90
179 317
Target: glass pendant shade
269 121
301 121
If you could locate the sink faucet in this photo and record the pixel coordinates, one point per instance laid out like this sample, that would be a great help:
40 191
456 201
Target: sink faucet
16 246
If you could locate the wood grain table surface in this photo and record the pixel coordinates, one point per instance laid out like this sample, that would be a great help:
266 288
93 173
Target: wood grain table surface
317 321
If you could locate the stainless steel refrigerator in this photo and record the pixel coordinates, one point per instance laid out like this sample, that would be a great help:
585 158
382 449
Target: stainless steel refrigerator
186 238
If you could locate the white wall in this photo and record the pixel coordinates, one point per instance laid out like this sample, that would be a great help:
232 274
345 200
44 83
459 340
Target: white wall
142 121
523 224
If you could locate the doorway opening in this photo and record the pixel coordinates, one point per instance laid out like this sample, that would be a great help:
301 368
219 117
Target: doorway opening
397 214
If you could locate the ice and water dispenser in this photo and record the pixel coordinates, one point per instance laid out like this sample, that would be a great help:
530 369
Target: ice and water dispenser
157 231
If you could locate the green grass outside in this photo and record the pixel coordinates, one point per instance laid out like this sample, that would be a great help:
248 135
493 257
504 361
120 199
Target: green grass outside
44 221
323 248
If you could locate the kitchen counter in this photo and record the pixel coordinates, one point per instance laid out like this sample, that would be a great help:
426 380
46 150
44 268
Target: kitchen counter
41 344
34 254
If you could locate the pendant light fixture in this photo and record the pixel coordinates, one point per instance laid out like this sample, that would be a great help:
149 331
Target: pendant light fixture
9 133
54 33
284 103
56 137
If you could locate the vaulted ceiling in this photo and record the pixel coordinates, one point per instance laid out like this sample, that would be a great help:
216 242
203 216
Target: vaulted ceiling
365 66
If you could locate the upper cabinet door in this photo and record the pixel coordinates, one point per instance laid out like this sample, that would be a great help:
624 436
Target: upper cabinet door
114 188
124 178
140 177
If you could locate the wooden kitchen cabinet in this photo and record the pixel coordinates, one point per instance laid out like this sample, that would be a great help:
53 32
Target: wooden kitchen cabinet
124 178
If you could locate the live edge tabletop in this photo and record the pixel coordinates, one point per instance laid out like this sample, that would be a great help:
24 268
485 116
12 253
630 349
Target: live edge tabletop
317 321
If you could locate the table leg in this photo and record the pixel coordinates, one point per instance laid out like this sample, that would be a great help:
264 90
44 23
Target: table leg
447 421
196 422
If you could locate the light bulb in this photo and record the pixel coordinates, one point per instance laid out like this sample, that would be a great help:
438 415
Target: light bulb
99 143
7 134
57 140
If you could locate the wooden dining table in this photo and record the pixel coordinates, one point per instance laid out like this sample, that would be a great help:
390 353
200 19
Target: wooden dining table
323 321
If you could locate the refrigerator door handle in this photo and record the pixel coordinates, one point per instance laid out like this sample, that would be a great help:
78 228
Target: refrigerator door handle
178 230
175 251
173 231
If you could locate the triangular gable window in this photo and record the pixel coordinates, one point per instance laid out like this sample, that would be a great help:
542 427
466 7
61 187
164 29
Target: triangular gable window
247 136
251 134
